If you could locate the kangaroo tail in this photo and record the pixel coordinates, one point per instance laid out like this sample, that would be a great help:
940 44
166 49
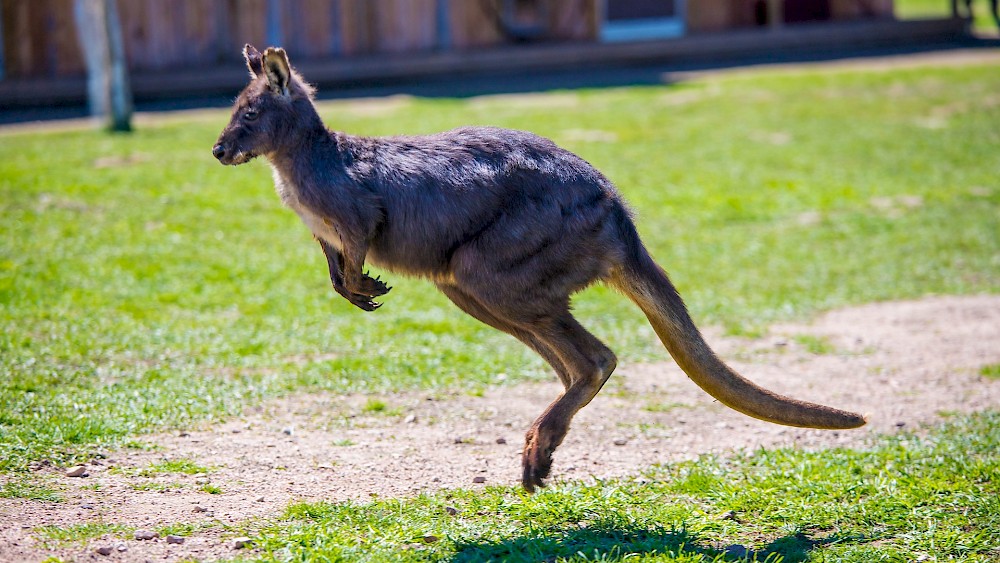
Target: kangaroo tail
648 286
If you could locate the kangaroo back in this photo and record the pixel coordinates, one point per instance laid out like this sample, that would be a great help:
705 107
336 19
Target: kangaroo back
649 287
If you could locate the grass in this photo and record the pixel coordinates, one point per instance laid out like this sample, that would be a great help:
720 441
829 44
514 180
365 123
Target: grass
818 345
178 465
373 405
908 498
175 466
380 407
185 528
154 486
991 371
210 489
81 532
183 466
31 489
144 287
917 9
665 407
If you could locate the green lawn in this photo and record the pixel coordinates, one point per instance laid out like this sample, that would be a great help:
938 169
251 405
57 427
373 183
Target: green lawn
918 9
145 287
911 9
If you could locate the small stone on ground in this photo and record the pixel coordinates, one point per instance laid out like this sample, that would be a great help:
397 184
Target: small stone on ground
241 542
77 471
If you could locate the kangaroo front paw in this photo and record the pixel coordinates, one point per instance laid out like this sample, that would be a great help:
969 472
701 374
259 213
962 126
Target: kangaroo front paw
363 302
536 460
372 287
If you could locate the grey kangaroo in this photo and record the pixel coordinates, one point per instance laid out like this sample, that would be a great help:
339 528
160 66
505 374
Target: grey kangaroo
505 223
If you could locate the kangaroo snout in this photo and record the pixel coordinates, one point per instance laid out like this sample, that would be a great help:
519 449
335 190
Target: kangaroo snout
232 154
219 152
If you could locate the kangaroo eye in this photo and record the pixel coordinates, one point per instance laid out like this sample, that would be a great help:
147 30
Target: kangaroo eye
250 115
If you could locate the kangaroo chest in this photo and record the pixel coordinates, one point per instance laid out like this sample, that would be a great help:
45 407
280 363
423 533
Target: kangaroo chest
321 227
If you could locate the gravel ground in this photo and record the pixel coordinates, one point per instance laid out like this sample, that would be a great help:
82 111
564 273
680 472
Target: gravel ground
903 364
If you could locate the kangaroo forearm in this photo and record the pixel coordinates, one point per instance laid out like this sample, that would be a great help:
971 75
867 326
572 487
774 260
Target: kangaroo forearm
362 289
335 263
353 267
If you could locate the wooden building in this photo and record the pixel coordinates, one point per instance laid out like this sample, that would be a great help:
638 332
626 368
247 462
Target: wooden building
39 39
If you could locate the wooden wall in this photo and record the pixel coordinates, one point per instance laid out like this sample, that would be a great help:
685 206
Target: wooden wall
161 34
40 40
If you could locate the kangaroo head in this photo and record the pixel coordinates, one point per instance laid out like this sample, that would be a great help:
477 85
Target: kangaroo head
270 113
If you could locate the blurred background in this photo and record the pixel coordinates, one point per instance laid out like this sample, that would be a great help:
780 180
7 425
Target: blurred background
187 52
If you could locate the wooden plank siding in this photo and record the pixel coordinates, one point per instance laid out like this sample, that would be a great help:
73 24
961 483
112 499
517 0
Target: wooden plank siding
404 25
473 25
39 38
40 41
160 35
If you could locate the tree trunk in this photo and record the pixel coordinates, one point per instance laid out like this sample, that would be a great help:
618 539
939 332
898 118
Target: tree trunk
108 88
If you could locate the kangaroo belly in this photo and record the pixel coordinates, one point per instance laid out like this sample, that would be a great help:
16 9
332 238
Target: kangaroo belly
411 254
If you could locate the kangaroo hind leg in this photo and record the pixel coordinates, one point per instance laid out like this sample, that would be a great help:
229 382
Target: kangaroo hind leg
473 308
590 364
582 362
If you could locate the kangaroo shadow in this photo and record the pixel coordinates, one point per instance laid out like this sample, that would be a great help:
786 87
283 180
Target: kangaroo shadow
616 542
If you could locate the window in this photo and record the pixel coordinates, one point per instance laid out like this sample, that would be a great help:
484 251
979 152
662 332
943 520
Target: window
635 20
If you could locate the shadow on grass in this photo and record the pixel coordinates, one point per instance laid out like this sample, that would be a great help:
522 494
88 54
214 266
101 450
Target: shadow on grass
603 543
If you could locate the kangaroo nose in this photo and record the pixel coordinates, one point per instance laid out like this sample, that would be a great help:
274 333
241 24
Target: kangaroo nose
219 151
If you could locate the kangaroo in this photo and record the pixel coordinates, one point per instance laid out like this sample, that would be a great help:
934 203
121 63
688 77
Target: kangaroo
505 223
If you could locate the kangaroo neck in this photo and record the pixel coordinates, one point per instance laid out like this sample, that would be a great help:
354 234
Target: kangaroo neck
310 149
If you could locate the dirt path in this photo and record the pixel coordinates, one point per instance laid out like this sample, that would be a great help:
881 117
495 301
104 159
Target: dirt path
904 364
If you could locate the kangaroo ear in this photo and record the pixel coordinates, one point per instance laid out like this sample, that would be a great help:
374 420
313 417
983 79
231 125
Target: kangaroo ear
254 62
277 70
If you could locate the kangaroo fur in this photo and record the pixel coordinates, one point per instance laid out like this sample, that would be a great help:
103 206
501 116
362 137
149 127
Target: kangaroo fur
505 223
